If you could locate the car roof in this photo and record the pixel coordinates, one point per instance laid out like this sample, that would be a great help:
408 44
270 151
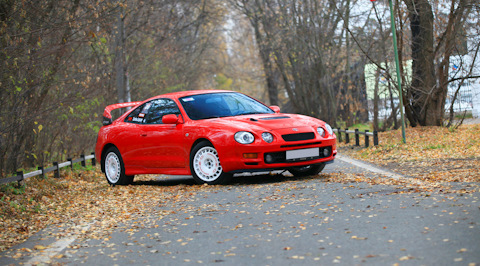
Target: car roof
180 94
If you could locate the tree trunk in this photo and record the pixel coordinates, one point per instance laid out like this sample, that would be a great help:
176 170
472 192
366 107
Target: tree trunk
120 59
427 102
267 66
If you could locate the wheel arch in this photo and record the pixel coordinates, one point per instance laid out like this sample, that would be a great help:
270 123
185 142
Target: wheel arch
195 143
211 137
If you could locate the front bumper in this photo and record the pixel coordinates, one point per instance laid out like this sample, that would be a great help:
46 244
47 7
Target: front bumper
270 157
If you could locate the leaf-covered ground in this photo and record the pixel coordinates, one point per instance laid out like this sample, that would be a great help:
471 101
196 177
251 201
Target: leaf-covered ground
431 154
76 198
434 159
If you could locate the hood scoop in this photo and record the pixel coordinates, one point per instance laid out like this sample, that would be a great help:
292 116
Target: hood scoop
274 117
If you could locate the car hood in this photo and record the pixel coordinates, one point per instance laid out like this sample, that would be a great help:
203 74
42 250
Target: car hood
270 122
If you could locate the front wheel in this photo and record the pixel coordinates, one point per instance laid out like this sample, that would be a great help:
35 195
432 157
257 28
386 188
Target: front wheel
114 168
205 165
308 170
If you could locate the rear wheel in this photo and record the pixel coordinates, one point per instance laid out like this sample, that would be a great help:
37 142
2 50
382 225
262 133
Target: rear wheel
308 170
205 165
115 169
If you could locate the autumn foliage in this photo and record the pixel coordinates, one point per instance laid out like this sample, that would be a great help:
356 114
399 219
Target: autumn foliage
434 154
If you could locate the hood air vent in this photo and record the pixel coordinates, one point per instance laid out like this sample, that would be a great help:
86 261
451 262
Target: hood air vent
274 117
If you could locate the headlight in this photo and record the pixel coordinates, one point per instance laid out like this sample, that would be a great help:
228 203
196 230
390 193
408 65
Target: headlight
244 137
321 131
267 137
329 129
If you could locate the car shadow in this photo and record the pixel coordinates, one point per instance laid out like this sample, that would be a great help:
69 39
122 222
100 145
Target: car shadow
243 179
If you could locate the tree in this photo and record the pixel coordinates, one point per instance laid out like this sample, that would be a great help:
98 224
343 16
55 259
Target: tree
425 96
60 62
302 54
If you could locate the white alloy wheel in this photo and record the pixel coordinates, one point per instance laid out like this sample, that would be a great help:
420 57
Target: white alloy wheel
206 164
113 169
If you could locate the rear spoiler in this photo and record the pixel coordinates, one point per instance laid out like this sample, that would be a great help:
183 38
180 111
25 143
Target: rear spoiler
107 116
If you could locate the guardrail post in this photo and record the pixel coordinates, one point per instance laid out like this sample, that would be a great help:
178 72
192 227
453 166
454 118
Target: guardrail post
20 182
357 138
83 160
94 161
375 138
71 162
367 141
43 173
347 137
56 171
339 135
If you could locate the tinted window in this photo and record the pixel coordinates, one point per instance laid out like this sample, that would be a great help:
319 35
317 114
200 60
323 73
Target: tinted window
158 109
138 115
215 105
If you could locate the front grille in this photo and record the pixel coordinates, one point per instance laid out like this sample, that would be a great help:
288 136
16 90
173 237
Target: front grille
281 157
298 136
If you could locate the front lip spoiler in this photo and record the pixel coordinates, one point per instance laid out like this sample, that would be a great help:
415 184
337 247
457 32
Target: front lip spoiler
270 169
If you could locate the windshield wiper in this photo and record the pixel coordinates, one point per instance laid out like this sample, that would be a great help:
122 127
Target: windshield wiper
214 116
251 113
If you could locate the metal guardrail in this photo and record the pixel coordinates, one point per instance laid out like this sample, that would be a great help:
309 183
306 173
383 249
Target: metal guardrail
357 133
55 168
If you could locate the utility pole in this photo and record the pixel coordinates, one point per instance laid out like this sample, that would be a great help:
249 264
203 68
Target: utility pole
397 64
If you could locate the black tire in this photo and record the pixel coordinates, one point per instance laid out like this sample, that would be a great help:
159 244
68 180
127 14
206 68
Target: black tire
308 170
130 179
205 165
114 168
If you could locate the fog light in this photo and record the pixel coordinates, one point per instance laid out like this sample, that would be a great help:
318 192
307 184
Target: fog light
250 155
326 152
268 158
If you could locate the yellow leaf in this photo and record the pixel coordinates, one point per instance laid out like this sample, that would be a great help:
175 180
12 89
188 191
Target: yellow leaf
39 247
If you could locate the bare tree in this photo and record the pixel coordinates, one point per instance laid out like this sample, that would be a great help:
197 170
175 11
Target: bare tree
431 54
60 60
299 42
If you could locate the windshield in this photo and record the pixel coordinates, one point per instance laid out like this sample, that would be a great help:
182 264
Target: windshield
214 105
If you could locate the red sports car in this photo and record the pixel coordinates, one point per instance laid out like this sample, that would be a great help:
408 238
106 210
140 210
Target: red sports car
210 134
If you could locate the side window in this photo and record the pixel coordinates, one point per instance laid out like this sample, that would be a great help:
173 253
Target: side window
138 115
159 108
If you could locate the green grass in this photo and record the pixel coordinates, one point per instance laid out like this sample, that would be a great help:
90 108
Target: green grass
360 127
12 188
466 115
434 147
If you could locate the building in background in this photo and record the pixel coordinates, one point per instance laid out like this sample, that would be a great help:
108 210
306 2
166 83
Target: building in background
466 92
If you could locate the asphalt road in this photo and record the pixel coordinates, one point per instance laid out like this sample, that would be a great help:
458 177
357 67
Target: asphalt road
272 220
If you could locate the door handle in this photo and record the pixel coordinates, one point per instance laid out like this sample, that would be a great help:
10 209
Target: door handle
143 134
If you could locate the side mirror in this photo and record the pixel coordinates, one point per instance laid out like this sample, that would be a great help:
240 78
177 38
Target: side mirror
170 119
275 108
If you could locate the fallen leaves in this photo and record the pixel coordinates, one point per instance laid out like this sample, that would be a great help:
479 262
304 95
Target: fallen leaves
433 159
359 238
39 247
404 258
77 199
